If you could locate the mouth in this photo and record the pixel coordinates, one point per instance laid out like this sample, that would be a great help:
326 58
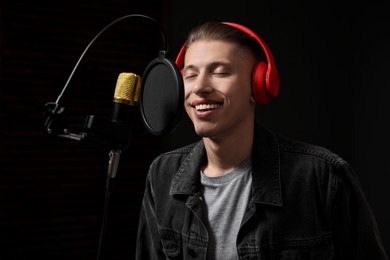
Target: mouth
206 107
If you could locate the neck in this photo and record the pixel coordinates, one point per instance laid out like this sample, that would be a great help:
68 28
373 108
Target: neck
224 155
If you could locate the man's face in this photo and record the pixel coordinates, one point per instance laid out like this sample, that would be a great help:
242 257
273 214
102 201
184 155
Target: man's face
218 87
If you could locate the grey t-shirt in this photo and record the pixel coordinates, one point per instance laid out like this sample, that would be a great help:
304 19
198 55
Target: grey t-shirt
226 198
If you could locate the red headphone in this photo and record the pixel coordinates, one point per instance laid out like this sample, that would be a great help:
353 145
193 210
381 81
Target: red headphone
265 78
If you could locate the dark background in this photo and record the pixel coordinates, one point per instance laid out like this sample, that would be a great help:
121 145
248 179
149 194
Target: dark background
332 60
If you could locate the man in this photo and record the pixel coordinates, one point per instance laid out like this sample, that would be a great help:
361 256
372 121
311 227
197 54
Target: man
243 192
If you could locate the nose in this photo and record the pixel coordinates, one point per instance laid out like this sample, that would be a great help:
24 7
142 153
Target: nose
201 84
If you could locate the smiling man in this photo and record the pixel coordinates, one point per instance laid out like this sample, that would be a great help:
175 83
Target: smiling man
242 191
218 100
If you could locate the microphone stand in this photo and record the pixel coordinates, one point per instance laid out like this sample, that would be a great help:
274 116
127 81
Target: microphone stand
114 157
93 127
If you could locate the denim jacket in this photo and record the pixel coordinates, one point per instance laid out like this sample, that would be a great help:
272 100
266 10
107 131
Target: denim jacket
306 203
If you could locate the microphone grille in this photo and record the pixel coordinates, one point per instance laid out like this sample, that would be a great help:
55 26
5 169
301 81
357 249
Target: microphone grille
128 88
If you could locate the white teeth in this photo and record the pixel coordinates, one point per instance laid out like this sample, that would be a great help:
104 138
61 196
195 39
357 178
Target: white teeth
206 106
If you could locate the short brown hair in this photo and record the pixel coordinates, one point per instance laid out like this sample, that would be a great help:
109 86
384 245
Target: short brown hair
223 32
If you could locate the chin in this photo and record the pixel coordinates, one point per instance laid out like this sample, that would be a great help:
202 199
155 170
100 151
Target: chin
204 128
203 132
200 131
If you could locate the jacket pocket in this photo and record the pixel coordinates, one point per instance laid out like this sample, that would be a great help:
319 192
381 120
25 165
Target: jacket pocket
171 243
317 249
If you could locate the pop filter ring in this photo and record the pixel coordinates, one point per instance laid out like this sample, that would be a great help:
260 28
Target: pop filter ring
163 107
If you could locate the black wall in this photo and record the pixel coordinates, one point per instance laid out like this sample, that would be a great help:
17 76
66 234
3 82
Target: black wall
332 60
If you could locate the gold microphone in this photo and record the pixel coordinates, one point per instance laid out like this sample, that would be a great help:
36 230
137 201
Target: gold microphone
126 97
128 89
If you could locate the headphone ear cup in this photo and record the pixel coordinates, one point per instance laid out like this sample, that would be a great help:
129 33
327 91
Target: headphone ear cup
259 89
265 83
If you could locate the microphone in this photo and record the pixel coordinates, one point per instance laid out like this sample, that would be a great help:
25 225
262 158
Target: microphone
126 97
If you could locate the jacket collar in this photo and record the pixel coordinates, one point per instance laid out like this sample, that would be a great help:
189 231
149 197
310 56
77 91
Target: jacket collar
266 188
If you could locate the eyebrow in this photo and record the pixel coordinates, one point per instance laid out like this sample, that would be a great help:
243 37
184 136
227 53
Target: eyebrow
211 65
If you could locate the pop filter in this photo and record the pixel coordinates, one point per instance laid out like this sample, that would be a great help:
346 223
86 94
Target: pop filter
162 96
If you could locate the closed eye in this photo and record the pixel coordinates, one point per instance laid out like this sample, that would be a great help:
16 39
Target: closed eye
189 76
221 74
